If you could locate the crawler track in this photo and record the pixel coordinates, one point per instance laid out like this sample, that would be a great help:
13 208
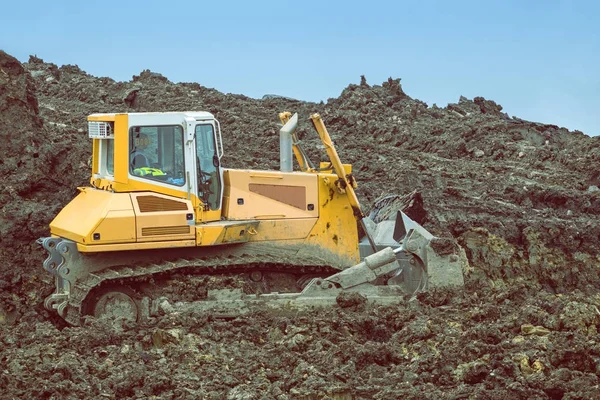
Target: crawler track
156 279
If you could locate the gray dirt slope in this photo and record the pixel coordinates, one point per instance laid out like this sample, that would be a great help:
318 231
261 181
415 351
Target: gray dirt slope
521 197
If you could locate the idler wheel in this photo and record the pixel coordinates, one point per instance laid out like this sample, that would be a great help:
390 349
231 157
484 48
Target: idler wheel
115 303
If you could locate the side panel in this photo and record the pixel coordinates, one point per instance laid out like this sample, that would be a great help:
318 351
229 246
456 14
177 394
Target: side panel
240 231
160 217
106 214
274 230
149 186
117 227
269 195
225 232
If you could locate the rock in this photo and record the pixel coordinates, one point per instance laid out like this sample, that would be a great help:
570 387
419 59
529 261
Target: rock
176 334
242 392
487 253
350 299
409 377
576 315
297 342
472 372
275 335
130 98
166 307
159 338
528 369
386 207
528 329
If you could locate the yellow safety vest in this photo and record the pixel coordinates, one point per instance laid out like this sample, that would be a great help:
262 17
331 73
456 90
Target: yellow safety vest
148 171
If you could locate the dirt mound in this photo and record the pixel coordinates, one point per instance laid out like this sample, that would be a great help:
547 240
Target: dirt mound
520 197
22 167
40 162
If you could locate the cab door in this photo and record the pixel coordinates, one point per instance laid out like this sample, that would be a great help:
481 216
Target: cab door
206 176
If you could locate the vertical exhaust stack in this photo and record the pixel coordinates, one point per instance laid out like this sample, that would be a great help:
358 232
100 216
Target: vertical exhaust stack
285 144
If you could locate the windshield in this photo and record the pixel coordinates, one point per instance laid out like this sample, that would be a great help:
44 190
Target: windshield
156 153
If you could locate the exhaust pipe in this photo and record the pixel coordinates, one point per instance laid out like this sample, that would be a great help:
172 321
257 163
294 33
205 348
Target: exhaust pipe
285 144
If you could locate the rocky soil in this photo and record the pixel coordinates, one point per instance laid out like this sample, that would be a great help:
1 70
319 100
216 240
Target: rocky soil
520 197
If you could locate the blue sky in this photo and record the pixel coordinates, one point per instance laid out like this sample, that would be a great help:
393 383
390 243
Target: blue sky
539 59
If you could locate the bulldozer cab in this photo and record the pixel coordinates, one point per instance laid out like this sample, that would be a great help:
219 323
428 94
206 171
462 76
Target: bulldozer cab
174 154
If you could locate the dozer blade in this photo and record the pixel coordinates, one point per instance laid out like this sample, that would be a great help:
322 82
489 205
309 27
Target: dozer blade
425 261
442 260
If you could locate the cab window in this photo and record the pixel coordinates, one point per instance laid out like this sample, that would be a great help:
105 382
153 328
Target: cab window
209 178
156 153
106 156
110 156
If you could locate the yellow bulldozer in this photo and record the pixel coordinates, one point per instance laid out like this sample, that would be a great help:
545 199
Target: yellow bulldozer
162 212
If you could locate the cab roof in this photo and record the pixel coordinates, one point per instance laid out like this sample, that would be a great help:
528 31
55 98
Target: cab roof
199 115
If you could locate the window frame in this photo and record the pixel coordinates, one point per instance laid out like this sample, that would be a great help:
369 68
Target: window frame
132 149
103 159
